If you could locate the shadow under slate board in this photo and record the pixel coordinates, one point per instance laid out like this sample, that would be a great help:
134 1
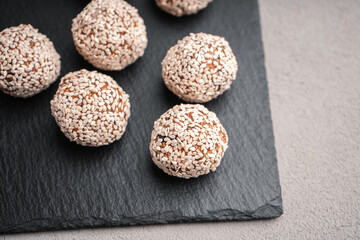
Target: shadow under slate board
49 183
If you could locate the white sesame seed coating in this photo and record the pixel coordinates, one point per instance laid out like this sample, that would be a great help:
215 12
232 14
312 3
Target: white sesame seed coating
199 67
90 108
109 34
29 62
182 7
188 141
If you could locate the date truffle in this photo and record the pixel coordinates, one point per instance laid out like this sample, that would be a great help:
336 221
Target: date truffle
29 62
182 7
188 141
90 108
199 67
109 34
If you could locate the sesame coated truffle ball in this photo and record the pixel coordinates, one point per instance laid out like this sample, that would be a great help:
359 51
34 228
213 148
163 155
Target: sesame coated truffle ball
182 7
109 34
199 67
29 62
90 108
188 141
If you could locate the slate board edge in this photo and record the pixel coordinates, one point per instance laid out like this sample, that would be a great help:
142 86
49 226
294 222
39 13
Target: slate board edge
274 207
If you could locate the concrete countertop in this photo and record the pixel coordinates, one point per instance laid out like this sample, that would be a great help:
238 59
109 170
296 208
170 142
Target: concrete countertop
312 51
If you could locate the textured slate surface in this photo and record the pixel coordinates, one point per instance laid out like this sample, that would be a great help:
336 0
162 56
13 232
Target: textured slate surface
47 182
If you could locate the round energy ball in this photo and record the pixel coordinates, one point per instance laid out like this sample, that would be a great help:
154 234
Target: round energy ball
29 62
109 34
199 67
90 108
182 7
188 141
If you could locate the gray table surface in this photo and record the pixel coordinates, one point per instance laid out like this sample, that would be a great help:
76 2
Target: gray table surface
312 50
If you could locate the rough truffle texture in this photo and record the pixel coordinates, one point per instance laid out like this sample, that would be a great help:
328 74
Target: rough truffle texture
29 62
199 67
188 141
182 7
90 108
109 34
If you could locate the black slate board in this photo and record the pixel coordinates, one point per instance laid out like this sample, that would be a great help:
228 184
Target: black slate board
47 182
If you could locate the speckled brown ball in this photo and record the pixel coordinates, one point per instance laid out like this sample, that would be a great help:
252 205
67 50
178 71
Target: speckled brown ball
182 7
29 62
109 34
188 141
199 67
90 108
